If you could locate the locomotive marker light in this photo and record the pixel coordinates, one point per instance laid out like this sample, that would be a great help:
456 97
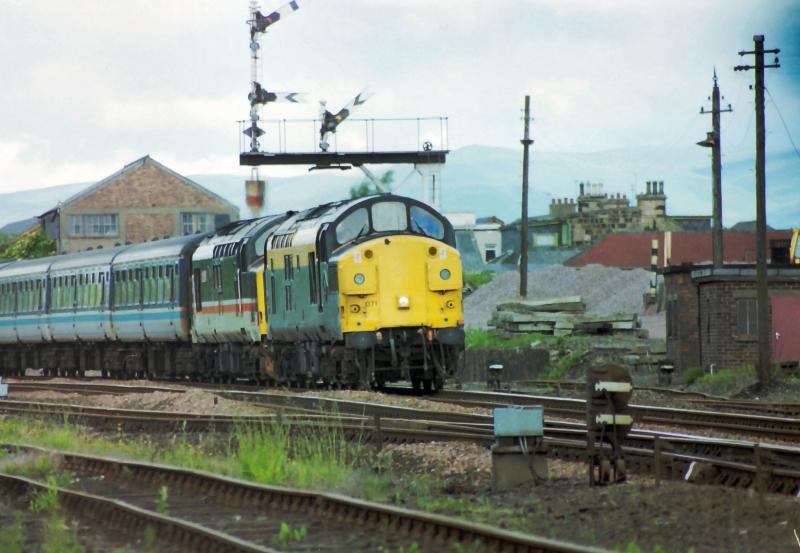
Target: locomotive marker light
608 391
518 454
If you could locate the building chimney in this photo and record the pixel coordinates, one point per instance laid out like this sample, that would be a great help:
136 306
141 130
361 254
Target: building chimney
648 187
661 187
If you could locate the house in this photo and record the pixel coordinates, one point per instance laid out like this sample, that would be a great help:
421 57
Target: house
142 201
595 214
711 315
477 240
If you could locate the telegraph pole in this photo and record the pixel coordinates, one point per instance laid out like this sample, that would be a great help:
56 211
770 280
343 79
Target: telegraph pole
714 141
764 327
523 260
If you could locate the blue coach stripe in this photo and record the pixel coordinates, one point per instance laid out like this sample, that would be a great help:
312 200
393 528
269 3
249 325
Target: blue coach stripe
121 317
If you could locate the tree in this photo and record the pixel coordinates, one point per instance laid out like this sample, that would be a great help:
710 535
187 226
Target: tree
30 245
368 188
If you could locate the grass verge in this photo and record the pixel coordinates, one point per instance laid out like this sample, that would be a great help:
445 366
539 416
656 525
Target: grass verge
273 454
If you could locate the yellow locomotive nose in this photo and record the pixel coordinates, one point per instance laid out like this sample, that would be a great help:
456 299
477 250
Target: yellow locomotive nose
401 281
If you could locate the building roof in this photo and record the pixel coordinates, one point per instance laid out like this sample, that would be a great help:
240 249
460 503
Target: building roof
747 226
634 250
131 167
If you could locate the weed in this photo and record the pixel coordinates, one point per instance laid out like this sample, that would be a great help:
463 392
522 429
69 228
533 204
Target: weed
691 375
564 364
478 338
413 548
288 535
45 500
12 536
149 540
476 279
60 537
162 502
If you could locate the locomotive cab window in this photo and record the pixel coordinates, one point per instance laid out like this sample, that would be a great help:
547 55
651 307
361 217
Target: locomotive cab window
388 216
354 225
425 222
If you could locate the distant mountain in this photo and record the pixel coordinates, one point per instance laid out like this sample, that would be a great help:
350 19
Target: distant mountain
486 181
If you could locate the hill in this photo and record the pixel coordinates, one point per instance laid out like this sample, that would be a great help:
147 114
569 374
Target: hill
486 180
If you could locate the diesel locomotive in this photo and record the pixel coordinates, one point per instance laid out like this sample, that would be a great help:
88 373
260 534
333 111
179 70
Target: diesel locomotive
355 293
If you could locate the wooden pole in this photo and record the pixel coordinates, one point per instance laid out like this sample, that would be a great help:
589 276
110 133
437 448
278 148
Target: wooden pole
523 259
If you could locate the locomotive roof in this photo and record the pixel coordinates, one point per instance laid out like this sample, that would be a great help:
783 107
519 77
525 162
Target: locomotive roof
304 224
171 247
237 232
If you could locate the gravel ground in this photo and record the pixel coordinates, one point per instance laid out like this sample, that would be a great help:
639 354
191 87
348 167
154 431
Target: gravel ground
674 516
191 401
399 401
605 290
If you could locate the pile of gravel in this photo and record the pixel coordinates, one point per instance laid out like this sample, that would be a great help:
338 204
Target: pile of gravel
605 290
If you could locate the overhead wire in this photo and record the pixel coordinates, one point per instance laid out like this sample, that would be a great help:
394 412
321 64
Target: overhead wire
780 116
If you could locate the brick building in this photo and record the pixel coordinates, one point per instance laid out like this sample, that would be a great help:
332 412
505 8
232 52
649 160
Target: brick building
142 201
711 315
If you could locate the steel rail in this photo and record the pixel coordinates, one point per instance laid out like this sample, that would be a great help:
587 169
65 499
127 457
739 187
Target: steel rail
123 516
434 529
568 439
774 427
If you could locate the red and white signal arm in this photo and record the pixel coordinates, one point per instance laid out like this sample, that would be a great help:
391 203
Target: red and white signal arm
254 193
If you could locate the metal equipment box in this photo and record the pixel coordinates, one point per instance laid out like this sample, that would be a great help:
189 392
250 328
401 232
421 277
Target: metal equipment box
519 420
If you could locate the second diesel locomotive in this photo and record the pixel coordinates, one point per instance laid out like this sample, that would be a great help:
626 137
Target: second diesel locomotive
354 293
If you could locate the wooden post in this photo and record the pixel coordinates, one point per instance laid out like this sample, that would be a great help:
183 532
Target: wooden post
759 474
523 247
378 434
657 462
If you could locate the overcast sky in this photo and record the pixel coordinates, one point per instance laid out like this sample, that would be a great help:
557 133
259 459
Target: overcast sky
89 85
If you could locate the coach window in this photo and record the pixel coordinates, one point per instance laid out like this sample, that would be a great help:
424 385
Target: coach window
424 222
168 284
388 216
354 225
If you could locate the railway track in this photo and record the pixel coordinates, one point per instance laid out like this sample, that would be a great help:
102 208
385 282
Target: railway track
749 423
734 463
779 428
209 513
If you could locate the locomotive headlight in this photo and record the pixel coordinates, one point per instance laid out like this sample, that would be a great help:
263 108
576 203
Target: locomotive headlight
444 274
359 278
402 302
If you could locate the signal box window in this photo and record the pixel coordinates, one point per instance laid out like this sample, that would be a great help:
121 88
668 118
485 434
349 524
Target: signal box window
746 317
